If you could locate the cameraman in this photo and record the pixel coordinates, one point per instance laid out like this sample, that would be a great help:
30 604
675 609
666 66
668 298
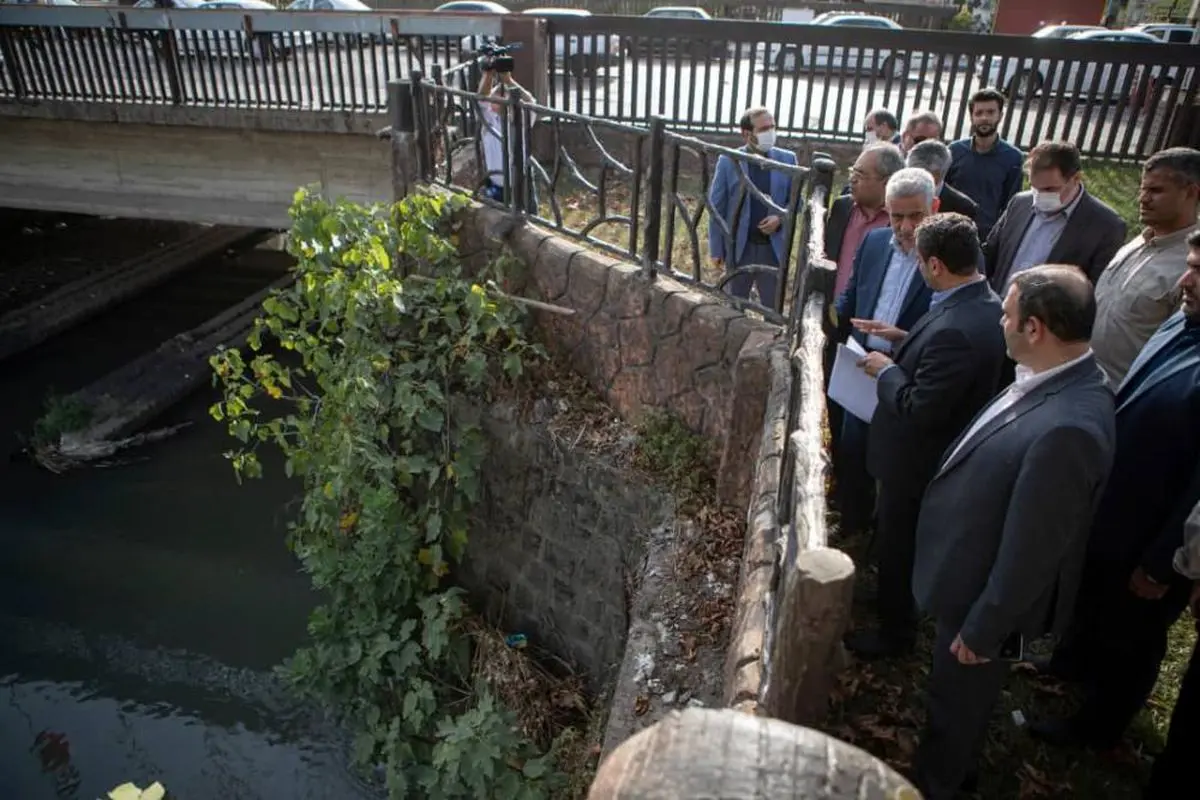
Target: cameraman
501 84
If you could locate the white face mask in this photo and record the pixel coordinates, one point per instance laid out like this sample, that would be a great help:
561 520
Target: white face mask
765 140
1047 202
870 138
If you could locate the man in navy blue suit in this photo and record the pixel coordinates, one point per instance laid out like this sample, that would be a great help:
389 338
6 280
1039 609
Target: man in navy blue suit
1130 594
885 286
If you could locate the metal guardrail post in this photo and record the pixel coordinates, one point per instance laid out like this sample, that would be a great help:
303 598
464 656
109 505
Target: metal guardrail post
11 64
515 180
421 124
654 198
400 106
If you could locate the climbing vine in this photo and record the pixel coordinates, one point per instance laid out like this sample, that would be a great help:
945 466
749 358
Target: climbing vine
354 373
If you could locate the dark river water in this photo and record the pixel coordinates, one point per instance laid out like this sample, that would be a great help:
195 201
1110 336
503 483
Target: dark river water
144 606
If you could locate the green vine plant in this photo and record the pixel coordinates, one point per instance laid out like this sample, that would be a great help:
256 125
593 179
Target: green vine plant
375 340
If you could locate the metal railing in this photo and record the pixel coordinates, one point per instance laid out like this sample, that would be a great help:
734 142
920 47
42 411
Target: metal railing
910 15
1112 99
224 58
1115 100
639 192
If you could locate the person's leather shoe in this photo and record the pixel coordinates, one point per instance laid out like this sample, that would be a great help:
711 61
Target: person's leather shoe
874 644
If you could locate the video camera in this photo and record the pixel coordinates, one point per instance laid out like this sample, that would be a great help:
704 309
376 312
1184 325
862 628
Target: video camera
495 57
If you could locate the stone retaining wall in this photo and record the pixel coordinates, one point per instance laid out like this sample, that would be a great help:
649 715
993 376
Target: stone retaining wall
646 344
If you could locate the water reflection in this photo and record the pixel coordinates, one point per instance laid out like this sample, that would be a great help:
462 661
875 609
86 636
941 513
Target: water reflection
143 607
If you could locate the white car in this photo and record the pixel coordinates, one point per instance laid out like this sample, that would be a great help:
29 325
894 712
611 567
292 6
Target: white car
1170 33
790 58
1024 78
1063 31
474 7
581 55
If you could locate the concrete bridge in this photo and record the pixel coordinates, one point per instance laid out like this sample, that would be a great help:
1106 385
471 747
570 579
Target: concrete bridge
207 116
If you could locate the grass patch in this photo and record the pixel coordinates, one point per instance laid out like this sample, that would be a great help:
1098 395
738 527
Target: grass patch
681 458
61 414
1117 185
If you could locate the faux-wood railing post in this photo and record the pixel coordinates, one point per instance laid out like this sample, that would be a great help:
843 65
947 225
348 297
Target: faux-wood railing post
403 133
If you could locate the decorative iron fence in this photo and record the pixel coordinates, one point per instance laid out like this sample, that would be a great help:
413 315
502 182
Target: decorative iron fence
1115 100
640 192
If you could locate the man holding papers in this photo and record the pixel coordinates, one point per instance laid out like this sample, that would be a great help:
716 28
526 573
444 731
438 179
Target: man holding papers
884 286
940 374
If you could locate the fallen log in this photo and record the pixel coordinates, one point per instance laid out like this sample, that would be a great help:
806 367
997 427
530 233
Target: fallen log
737 756
126 399
83 299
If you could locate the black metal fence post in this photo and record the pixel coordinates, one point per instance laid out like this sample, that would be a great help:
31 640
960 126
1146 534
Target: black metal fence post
654 195
515 180
11 65
421 123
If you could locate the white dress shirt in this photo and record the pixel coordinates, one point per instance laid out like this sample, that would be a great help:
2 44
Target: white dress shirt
1026 381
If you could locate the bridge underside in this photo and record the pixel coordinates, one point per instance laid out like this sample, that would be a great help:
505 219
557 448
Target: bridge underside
189 173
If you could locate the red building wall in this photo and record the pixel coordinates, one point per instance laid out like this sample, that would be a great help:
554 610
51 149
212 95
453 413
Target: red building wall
1026 16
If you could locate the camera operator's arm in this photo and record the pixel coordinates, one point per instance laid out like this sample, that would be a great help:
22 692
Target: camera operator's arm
486 83
511 85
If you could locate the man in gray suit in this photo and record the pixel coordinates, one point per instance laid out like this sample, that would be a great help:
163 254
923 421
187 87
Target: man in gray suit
1056 222
1004 522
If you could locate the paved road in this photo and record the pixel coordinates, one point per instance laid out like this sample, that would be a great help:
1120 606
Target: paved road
709 95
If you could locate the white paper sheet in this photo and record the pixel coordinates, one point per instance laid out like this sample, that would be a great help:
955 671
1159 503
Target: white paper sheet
850 387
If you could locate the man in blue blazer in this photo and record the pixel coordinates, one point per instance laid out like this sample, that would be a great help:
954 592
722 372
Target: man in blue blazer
886 287
1130 594
757 237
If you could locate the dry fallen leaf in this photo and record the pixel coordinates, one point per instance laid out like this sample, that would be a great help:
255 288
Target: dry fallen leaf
641 705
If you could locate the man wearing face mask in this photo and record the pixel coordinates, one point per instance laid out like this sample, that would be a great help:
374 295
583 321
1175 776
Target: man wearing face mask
756 231
1056 222
881 126
941 373
986 168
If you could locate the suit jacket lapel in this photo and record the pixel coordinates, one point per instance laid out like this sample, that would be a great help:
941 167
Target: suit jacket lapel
1190 359
879 259
1077 226
1012 243
963 295
1156 342
916 285
1014 412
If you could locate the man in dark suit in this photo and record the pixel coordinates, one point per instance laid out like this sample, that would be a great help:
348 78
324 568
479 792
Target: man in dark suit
1056 222
1131 594
934 157
945 369
884 286
1004 522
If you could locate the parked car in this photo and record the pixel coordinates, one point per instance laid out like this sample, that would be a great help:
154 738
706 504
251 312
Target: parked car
580 55
1166 32
669 45
220 44
474 6
1024 78
1063 31
790 58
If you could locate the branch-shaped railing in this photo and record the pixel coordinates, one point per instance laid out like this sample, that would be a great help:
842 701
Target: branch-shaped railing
642 193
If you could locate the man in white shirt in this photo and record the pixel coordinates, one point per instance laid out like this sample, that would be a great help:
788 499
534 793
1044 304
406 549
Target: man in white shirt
492 132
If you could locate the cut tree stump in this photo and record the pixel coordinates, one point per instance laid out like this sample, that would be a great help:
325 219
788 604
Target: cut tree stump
704 753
